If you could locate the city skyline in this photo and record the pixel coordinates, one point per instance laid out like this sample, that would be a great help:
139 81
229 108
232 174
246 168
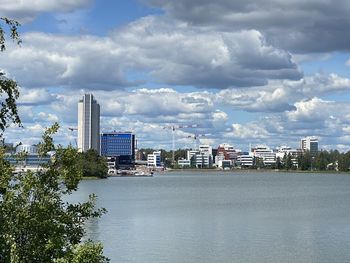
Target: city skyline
150 64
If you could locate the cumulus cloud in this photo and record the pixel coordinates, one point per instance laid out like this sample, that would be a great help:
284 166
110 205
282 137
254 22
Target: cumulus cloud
299 26
26 11
280 95
183 56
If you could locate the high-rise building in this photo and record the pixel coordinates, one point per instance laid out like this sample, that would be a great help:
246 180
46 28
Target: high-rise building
119 144
88 124
310 144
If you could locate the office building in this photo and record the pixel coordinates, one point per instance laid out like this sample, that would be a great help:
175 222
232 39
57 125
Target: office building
120 145
245 159
265 154
310 144
88 124
284 151
154 160
28 149
30 161
226 152
184 163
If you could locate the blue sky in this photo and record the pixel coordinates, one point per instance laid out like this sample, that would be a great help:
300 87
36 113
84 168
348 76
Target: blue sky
260 72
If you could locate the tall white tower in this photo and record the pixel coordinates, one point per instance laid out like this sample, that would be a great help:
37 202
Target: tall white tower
88 124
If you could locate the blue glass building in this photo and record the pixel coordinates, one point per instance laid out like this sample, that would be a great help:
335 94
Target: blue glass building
119 144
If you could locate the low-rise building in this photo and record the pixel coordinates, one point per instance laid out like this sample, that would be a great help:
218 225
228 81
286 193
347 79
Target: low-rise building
264 153
224 164
245 160
183 163
284 151
154 159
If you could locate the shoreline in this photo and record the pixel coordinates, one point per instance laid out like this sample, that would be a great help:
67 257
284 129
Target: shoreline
252 170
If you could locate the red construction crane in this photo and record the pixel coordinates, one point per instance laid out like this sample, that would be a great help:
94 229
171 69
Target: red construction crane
173 128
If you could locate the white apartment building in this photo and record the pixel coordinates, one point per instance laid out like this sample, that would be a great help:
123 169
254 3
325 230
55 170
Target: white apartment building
286 150
310 144
201 158
205 149
184 163
154 160
88 124
29 149
245 160
265 154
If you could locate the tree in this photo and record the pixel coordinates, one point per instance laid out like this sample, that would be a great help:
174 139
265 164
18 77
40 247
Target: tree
289 162
36 225
93 164
278 163
8 88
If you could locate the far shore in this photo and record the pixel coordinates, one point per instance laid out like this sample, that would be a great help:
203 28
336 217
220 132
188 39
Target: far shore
208 170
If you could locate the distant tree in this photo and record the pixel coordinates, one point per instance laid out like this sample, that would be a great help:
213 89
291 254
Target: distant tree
304 161
322 160
344 162
279 163
93 164
288 162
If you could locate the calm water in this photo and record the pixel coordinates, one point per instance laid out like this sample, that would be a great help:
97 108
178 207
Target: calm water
223 217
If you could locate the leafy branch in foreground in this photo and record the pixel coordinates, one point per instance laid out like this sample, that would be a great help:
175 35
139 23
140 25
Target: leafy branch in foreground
8 88
36 225
14 35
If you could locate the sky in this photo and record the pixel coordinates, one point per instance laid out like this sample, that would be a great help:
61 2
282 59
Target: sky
245 72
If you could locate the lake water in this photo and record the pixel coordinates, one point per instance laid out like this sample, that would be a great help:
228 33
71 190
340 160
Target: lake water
223 217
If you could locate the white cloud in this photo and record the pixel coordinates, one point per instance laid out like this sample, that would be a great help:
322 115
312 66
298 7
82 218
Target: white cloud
184 56
26 11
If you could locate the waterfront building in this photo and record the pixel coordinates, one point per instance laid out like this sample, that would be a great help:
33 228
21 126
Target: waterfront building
226 152
310 144
285 151
205 149
204 158
88 124
224 164
30 161
154 159
191 154
120 145
201 158
184 163
264 153
245 159
28 149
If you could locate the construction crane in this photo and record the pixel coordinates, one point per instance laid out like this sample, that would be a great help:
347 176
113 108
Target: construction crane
72 129
173 128
195 138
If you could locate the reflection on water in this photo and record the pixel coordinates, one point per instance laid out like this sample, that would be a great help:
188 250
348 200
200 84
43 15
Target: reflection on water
223 217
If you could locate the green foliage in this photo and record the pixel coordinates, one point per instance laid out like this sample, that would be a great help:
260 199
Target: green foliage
8 88
13 27
87 252
93 164
36 225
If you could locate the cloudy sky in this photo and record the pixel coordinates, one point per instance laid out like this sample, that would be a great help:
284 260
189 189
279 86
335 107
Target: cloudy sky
253 71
